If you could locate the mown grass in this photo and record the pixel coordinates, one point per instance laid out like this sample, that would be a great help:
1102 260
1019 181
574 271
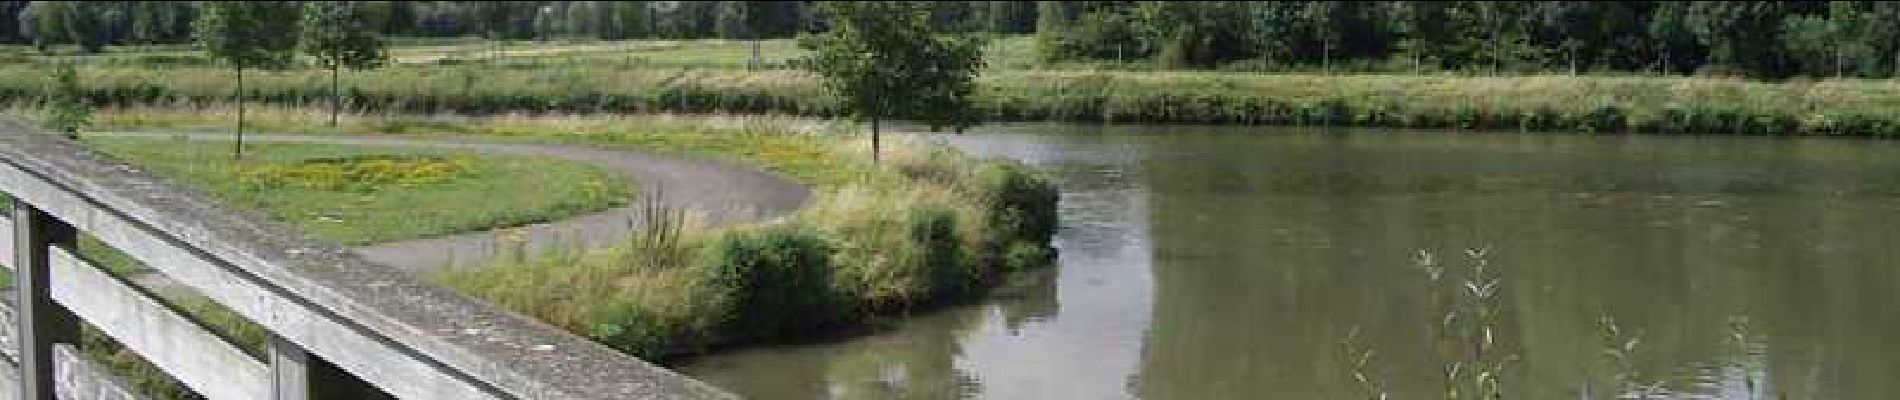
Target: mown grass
360 195
1605 104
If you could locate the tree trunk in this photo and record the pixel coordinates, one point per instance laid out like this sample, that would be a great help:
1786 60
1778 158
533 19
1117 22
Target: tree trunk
1665 62
336 93
875 148
1573 62
1326 56
1840 63
756 61
237 150
1497 50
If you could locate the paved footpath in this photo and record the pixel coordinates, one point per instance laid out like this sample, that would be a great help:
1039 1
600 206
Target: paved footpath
715 192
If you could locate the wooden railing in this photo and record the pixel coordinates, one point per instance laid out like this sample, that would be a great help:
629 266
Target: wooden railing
338 326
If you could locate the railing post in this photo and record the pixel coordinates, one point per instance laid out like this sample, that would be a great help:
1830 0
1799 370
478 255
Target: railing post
297 375
39 322
289 370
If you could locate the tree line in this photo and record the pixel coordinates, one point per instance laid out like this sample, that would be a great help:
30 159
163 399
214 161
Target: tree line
1754 38
96 23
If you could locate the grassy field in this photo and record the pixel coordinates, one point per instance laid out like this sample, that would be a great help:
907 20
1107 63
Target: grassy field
925 226
361 195
703 77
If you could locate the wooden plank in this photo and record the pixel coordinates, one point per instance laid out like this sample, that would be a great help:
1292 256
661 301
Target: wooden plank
8 347
39 322
6 242
81 379
185 350
9 379
388 365
290 370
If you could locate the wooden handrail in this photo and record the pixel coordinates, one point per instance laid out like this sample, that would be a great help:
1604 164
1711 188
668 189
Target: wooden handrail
326 308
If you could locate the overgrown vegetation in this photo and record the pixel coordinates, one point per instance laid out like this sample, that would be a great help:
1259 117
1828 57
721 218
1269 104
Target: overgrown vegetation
66 108
926 225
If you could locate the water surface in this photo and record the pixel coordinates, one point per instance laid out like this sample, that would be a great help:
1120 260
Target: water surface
1229 263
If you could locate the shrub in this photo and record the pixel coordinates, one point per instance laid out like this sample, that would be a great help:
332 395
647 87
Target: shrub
779 278
1604 119
1023 202
933 233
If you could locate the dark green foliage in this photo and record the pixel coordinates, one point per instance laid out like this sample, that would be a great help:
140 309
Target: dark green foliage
934 231
634 331
1027 201
780 280
883 60
1729 37
339 34
66 108
1754 38
248 34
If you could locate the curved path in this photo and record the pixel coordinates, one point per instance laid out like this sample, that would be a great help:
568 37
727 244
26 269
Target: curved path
714 192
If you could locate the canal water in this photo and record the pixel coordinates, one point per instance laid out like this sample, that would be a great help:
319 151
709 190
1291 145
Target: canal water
1235 263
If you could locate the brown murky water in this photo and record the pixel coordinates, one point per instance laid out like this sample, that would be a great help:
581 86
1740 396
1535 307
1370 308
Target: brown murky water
1228 263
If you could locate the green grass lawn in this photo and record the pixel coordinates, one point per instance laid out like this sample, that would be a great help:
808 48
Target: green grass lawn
360 195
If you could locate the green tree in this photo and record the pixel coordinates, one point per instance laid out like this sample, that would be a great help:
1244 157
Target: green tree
1424 27
631 19
248 34
46 22
1051 16
735 22
340 34
1500 25
1008 16
1673 41
1742 36
1275 26
79 23
884 61
66 108
1818 40
1194 33
1327 20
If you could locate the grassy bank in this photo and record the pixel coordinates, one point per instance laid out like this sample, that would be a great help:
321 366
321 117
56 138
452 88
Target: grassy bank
1531 103
359 195
925 226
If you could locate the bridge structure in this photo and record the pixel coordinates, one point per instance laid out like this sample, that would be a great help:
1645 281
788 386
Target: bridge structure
338 326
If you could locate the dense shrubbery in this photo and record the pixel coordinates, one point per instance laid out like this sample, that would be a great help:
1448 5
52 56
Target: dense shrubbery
1534 103
779 280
